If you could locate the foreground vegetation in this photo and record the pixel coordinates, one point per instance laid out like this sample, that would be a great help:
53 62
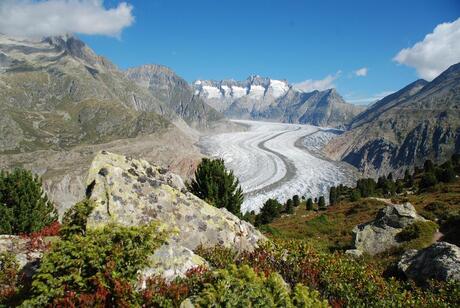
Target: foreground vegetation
303 264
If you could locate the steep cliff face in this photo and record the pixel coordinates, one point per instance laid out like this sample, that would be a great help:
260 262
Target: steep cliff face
422 121
260 98
168 87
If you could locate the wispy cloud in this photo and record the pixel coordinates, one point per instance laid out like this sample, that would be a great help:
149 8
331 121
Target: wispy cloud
362 72
365 100
27 18
435 53
320 85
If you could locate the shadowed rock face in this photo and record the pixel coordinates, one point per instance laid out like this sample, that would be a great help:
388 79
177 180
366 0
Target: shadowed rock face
419 122
132 192
380 234
440 261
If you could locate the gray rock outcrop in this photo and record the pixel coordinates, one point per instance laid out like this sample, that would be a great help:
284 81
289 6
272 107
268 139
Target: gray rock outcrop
440 261
380 234
133 192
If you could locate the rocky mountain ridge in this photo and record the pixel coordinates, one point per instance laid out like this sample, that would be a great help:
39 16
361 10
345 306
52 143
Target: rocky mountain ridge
60 102
168 87
261 98
419 122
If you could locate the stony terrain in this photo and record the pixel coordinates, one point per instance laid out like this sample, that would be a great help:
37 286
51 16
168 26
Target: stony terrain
404 129
260 98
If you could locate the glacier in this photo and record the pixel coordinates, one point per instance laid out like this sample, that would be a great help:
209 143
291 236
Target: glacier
278 160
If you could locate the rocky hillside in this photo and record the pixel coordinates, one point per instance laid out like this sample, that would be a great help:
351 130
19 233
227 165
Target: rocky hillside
262 98
170 88
419 122
57 93
60 102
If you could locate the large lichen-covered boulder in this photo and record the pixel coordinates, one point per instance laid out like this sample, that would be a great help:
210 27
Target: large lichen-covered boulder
439 261
380 234
132 192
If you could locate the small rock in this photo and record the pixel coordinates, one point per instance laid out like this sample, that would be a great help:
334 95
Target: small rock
355 253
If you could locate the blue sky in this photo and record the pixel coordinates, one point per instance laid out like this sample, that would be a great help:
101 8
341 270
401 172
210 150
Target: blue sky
290 39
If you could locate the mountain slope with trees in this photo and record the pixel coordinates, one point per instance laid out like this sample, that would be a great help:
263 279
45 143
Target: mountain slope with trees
420 122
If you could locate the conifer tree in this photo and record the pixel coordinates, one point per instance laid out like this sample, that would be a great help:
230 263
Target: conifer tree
309 204
24 207
289 206
217 186
333 195
321 203
296 200
270 210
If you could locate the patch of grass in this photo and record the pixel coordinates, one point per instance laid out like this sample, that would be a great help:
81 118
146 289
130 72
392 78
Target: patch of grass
331 228
418 235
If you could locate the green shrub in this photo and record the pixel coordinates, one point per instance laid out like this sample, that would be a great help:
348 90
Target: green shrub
9 279
439 209
97 269
75 219
417 235
24 207
428 180
217 186
242 287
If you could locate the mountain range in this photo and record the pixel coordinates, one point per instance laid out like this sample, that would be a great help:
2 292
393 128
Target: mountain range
262 98
60 102
402 130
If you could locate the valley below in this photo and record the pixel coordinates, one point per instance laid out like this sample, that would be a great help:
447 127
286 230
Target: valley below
278 160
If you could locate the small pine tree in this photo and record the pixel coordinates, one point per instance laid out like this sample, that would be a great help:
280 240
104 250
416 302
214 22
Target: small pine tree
408 179
289 206
270 210
321 203
309 204
428 166
332 195
24 206
446 173
428 180
296 200
217 186
355 195
390 176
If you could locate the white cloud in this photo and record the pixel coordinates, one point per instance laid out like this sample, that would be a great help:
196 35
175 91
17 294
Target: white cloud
365 100
435 53
35 19
362 72
320 85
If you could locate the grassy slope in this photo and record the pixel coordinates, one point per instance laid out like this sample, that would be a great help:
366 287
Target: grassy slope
332 228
